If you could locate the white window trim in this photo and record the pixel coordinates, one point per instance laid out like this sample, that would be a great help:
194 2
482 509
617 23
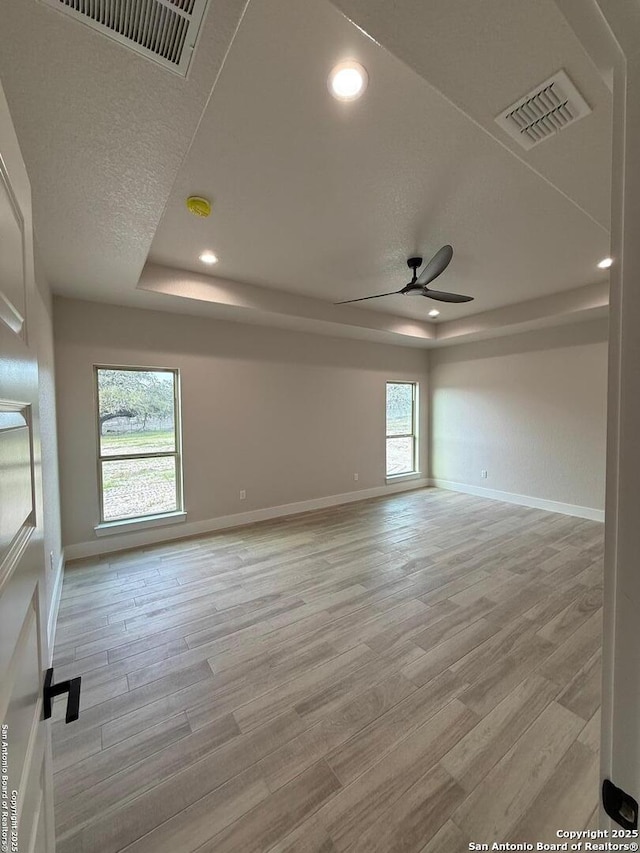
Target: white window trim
105 528
416 473
399 478
126 525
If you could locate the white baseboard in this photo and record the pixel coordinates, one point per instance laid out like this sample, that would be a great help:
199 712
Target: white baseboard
180 531
55 604
523 500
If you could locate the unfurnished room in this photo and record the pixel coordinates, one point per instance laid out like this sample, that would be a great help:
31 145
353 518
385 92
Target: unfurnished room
319 405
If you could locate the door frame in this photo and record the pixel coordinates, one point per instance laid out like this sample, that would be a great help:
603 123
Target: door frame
609 31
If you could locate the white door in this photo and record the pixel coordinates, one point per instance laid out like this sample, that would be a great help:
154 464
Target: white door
26 786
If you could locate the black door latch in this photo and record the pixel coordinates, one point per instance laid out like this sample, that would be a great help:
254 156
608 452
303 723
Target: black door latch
619 805
72 687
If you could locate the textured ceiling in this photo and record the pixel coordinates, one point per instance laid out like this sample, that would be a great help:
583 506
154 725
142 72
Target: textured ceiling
313 200
103 131
329 199
483 56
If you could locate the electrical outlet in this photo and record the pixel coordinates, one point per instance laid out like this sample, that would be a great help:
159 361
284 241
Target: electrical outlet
243 494
51 559
483 473
356 477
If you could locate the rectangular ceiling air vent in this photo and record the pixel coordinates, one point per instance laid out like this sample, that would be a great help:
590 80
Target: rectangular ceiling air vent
551 107
162 30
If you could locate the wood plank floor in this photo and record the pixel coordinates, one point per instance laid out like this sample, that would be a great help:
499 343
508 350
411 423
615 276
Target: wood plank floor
405 674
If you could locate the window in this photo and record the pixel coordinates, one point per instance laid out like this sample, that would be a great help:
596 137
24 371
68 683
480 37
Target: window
139 466
401 428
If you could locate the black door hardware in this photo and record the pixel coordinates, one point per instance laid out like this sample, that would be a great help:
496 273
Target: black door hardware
72 687
619 805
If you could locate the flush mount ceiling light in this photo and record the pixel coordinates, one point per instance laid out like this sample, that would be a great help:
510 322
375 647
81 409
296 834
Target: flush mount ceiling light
605 263
434 312
208 258
348 80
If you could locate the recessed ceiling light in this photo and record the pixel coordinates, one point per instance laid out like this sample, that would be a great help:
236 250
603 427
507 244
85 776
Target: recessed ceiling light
605 263
208 258
348 80
434 312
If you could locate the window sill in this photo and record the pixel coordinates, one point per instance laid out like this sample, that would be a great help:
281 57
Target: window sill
128 525
399 478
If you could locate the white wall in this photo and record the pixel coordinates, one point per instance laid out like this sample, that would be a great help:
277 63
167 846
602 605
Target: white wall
530 409
286 416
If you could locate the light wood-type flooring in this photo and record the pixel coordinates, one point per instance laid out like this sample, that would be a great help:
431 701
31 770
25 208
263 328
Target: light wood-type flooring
405 674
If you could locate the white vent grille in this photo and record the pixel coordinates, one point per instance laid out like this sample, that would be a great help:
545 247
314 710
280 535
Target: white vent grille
163 30
551 107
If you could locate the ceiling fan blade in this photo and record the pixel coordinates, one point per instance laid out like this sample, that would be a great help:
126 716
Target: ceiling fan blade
362 298
437 265
443 296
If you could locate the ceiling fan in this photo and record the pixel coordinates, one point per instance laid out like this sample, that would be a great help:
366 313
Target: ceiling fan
418 284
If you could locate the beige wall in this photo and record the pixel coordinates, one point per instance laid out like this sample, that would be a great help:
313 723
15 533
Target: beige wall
291 417
530 409
286 416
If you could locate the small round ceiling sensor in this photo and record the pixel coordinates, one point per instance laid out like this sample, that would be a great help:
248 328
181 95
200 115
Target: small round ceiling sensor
199 206
348 80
